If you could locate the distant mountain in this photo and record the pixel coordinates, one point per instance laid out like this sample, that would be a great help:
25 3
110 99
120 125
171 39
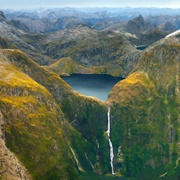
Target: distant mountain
104 23
124 13
45 25
161 19
141 32
2 17
137 26
14 37
84 45
35 19
67 22
89 47
20 25
167 27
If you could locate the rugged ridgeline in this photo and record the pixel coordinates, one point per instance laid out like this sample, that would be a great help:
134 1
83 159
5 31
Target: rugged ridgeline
14 38
110 51
99 51
145 114
45 25
93 51
141 32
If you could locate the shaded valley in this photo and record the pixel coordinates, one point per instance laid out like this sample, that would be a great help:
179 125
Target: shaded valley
50 131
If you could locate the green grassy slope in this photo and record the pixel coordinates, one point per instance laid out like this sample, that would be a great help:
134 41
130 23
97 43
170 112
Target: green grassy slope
145 115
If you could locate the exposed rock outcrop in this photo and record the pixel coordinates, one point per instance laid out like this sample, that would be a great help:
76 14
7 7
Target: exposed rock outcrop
138 25
17 23
2 16
166 27
10 166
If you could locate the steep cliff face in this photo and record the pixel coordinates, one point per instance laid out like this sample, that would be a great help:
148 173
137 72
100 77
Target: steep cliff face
2 16
138 25
32 121
20 25
11 167
145 114
72 135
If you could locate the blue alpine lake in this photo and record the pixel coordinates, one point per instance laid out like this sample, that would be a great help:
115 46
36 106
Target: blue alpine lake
98 85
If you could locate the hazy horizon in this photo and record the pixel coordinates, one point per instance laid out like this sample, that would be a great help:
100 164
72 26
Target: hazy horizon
20 4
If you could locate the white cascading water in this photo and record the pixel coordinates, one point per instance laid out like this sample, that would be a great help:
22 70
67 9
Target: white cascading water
110 143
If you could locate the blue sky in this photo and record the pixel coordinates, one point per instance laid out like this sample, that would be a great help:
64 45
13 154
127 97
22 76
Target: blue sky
14 4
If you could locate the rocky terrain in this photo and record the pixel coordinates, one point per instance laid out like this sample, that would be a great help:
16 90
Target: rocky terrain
49 131
84 45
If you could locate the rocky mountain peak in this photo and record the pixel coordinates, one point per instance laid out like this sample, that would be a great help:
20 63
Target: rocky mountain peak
167 26
2 16
139 19
138 25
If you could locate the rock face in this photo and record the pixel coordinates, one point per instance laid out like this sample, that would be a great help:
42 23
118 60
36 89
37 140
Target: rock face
20 25
138 25
167 27
10 166
14 39
2 17
135 26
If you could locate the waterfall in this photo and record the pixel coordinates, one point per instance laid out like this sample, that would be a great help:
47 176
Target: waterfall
110 143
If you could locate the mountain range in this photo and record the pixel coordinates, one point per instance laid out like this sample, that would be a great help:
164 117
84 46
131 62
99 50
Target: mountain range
49 131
